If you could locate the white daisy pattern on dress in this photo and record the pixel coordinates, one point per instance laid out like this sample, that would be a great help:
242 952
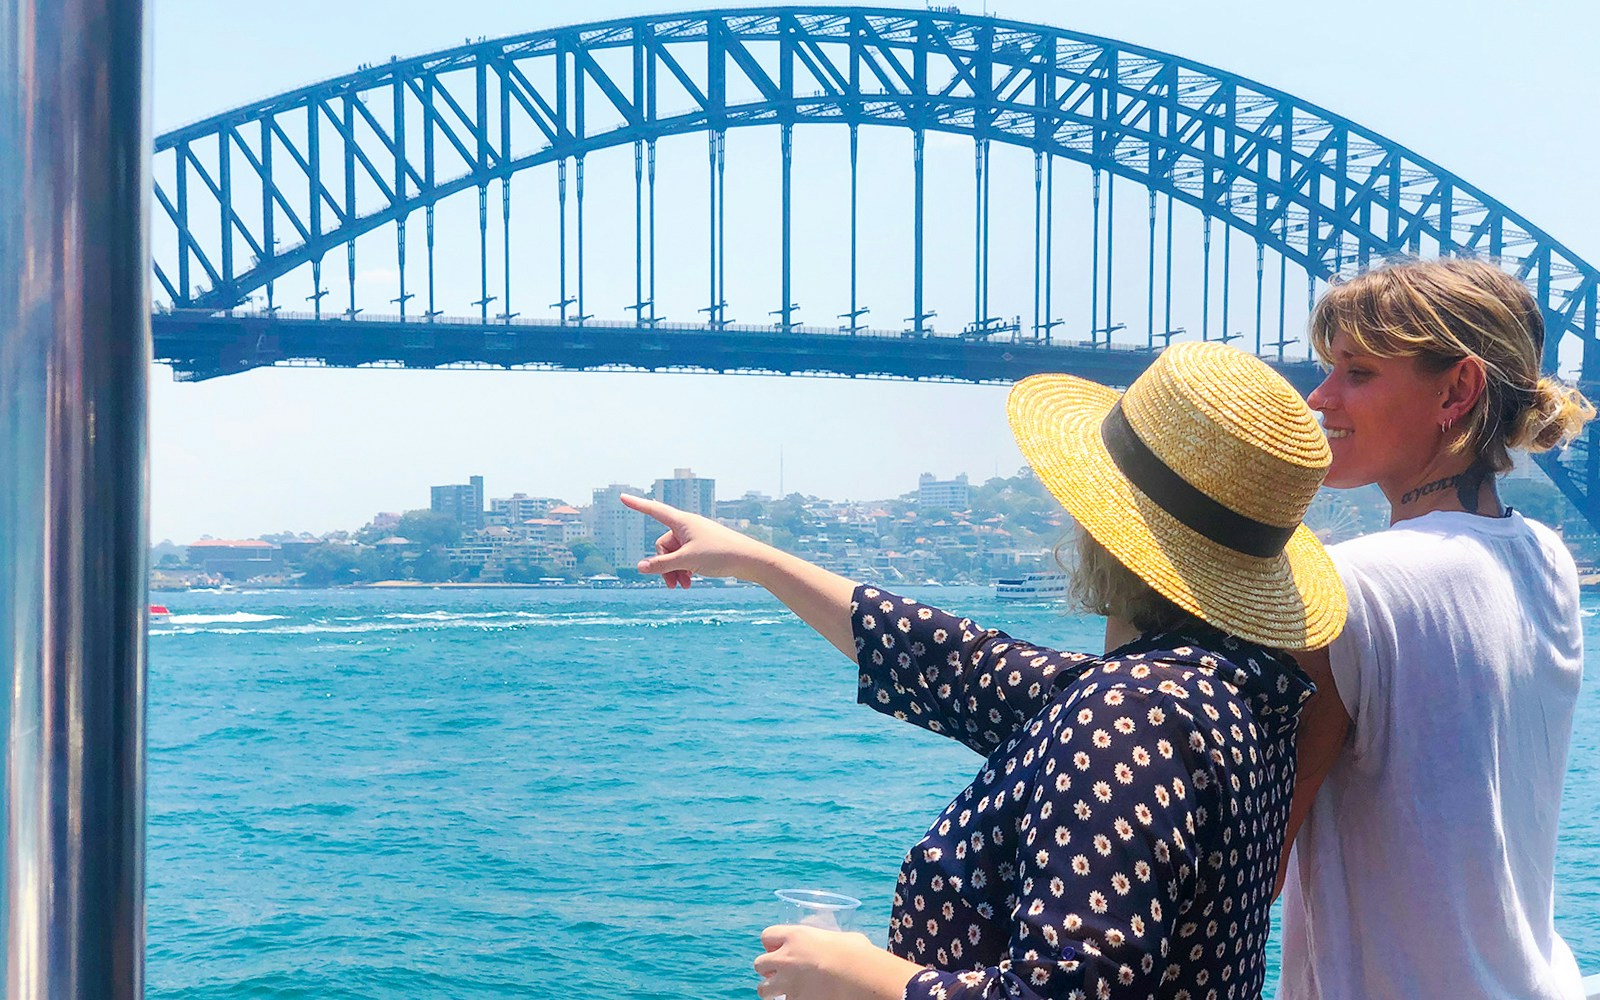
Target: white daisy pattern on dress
1119 841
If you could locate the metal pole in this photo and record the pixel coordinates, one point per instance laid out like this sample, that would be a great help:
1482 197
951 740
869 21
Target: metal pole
651 181
1111 207
1260 265
977 234
1038 184
561 236
1167 246
711 228
855 183
917 314
1094 270
1205 282
786 312
1227 276
638 230
1150 295
74 355
1049 242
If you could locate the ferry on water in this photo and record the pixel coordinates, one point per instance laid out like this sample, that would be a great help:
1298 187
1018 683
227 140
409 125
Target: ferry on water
159 615
1032 587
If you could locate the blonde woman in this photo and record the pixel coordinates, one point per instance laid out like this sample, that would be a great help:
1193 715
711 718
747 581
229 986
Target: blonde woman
1426 865
1123 835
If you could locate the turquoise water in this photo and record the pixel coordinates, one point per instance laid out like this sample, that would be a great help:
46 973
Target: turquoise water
552 793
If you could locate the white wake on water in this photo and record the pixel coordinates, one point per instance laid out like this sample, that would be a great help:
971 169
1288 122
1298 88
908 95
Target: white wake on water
233 617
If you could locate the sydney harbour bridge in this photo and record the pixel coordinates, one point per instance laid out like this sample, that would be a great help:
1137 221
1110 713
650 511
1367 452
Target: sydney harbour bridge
1239 202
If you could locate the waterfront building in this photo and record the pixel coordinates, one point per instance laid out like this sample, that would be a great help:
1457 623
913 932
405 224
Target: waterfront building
950 494
463 502
623 536
236 560
519 507
555 531
689 492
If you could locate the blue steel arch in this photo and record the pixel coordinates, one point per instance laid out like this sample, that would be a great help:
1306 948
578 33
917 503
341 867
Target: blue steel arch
1310 184
1315 187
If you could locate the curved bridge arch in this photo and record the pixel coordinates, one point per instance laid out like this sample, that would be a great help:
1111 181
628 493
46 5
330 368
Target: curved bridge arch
249 195
1311 185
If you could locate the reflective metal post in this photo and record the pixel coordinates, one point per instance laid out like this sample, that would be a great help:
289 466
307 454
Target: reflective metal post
74 360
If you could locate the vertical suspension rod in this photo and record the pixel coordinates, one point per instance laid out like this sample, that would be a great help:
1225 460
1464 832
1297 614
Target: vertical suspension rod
399 121
1205 280
722 228
427 178
1049 243
269 243
1038 183
505 197
505 247
977 234
917 314
1094 269
638 230
1167 248
1283 287
788 227
561 238
650 181
578 181
1150 294
1111 232
1260 264
855 306
1227 277
483 252
987 177
711 228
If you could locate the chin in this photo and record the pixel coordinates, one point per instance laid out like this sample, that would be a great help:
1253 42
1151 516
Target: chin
1343 479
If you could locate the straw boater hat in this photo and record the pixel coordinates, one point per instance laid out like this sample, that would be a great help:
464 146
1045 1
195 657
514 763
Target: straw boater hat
1197 480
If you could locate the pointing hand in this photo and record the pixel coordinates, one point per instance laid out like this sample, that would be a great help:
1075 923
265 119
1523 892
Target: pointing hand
695 544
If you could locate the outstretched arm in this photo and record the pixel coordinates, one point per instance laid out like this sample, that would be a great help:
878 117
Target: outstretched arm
695 544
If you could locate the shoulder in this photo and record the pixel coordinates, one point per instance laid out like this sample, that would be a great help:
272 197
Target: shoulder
1554 548
1398 545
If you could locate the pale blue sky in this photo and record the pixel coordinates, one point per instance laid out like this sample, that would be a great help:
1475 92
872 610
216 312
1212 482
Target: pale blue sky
1501 94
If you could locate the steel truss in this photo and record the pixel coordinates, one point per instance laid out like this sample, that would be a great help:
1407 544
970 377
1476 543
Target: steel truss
246 196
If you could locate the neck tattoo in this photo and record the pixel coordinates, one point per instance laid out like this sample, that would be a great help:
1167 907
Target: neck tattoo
1433 487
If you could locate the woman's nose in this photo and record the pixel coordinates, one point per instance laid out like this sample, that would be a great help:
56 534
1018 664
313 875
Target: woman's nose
1321 397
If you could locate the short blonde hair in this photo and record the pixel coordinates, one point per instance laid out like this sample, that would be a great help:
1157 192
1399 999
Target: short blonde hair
1443 311
1102 585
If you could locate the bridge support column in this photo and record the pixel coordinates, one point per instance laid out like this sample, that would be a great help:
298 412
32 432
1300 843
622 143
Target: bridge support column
74 352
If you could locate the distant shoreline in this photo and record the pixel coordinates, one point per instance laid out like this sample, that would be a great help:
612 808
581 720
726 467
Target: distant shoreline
448 585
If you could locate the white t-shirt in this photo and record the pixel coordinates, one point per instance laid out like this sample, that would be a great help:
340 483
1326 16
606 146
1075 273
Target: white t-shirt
1426 868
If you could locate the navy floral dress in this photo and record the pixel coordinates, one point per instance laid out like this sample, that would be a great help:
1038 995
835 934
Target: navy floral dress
1122 837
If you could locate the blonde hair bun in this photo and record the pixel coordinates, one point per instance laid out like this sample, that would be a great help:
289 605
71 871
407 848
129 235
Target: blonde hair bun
1556 416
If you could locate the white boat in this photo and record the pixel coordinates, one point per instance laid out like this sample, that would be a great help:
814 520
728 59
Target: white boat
1032 587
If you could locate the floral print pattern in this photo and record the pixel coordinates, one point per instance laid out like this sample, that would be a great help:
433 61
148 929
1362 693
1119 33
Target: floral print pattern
1122 837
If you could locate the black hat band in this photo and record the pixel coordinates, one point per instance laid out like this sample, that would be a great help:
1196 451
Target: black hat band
1175 495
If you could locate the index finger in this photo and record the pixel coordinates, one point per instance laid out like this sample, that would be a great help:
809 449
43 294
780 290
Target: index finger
667 514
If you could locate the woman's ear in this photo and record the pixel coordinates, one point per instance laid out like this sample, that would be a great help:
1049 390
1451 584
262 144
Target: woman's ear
1464 383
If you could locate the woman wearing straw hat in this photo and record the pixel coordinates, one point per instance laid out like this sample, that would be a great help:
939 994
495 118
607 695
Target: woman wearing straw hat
1426 867
1122 837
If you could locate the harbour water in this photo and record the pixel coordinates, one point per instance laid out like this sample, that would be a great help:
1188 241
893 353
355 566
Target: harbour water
554 793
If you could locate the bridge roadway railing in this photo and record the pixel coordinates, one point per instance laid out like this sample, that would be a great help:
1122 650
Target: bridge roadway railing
203 344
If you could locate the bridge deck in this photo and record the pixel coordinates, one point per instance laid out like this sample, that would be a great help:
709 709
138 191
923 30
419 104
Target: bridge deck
200 344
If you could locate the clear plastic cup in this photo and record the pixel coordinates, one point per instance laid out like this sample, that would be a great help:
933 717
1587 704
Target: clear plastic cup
829 911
